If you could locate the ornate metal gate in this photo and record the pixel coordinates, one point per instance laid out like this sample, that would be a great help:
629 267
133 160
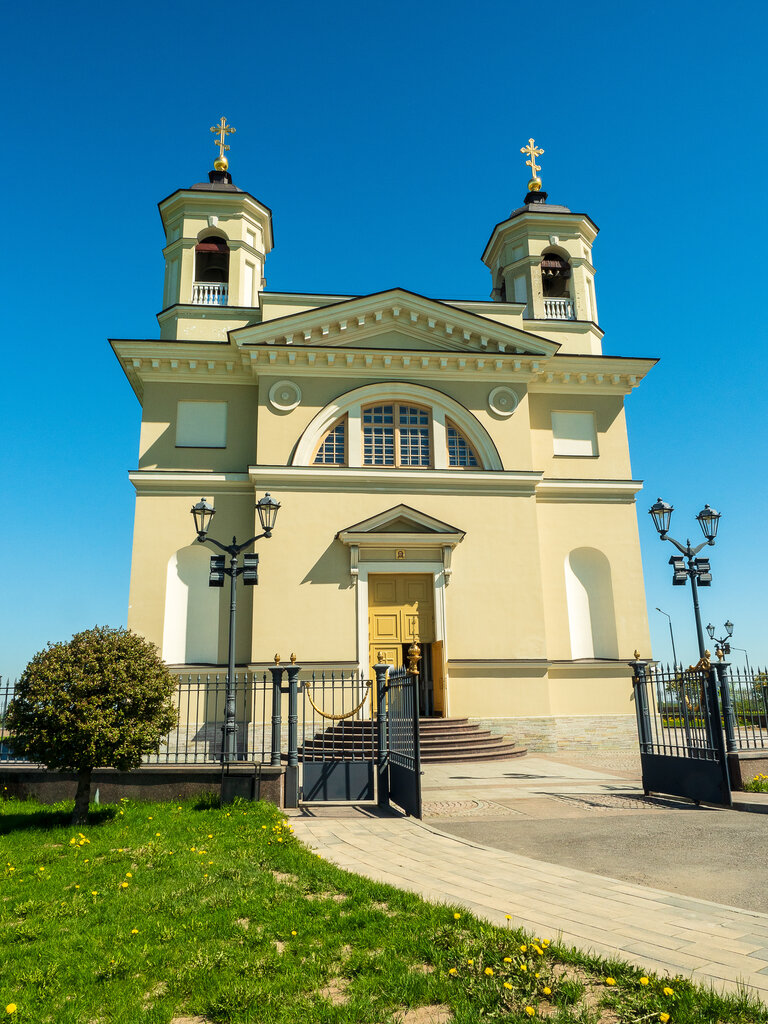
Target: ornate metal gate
679 725
338 742
399 774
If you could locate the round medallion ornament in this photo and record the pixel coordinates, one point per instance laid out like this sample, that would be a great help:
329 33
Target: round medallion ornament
503 401
284 395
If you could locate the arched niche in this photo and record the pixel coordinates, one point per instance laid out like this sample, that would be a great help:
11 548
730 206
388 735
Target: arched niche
191 623
591 613
442 408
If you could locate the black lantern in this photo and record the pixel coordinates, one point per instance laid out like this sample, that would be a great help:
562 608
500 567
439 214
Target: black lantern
267 508
709 520
662 513
202 513
711 631
729 627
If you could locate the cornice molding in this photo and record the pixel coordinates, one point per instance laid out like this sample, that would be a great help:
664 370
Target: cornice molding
167 482
394 481
588 491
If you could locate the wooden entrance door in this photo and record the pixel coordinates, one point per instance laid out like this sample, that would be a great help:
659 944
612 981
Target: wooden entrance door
401 608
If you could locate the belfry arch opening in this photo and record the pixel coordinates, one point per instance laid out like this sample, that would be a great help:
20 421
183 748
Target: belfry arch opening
555 276
212 260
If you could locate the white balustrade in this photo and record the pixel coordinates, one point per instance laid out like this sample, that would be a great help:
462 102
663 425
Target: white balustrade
209 293
559 309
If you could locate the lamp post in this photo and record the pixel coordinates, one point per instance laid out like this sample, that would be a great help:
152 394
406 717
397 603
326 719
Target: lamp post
697 569
746 656
671 637
203 513
723 643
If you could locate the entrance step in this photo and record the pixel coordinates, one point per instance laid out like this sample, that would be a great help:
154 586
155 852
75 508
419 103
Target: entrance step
443 740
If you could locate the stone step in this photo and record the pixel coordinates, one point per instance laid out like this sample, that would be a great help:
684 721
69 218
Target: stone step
442 740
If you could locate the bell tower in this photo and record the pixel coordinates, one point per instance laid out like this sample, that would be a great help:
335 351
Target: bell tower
217 240
540 258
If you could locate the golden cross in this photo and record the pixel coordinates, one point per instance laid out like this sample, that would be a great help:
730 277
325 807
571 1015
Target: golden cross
533 152
223 130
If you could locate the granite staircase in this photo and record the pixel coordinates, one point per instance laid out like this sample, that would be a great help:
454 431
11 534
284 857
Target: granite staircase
443 741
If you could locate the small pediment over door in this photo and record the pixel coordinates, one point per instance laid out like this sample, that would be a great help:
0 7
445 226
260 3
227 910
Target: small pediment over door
403 527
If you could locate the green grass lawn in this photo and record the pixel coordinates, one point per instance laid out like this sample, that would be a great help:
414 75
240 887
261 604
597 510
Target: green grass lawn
163 912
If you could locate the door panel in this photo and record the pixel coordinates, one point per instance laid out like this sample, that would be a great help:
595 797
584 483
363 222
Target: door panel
438 678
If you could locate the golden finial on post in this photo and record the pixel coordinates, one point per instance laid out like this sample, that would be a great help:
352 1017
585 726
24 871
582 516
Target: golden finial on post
293 659
534 185
222 130
414 657
277 659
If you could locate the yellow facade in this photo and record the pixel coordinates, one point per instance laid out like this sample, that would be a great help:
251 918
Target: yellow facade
495 483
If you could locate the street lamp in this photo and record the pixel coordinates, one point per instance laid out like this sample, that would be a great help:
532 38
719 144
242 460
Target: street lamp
723 642
746 656
203 513
697 569
671 636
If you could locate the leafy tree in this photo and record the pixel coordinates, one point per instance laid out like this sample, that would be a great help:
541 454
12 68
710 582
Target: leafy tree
101 700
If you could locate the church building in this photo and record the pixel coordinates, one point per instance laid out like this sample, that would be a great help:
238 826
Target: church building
452 471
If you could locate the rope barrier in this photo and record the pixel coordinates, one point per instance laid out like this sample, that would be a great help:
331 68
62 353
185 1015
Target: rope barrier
337 718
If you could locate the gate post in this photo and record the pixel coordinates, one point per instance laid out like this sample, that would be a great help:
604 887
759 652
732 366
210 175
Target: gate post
277 721
729 719
382 764
643 712
718 737
292 769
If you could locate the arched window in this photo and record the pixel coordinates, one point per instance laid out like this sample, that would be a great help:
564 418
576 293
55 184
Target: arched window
396 435
212 260
591 615
398 425
460 451
191 623
333 447
555 273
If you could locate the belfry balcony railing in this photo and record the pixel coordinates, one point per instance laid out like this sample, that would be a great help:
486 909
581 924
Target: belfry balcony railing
559 309
209 293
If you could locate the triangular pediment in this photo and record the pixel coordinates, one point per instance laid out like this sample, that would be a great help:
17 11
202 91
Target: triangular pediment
391 321
401 519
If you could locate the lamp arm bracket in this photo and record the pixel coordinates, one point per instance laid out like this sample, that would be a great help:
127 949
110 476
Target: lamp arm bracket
205 539
241 547
678 545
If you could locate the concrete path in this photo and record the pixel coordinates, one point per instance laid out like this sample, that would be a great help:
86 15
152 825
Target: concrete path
662 932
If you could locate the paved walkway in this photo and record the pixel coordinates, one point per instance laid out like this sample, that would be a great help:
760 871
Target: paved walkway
657 930
661 931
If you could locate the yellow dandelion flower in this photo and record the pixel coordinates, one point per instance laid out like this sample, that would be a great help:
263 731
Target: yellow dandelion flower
507 985
10 1008
178 808
72 841
77 886
210 862
128 874
530 1011
507 959
157 833
123 885
523 967
210 836
456 917
94 892
610 981
134 931
149 818
644 981
488 971
10 868
523 949
547 991
663 1017
42 869
293 933
668 991
119 812
470 962
453 971
539 950
205 876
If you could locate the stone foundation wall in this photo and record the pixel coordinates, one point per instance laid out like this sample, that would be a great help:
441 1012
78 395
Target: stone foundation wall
253 782
745 765
549 734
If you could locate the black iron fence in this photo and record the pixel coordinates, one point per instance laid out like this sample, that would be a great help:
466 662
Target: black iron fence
749 700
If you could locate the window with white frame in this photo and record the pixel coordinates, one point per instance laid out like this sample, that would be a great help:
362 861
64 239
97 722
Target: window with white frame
396 435
574 433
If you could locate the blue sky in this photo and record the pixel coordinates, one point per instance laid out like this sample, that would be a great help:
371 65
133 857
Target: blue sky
386 139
